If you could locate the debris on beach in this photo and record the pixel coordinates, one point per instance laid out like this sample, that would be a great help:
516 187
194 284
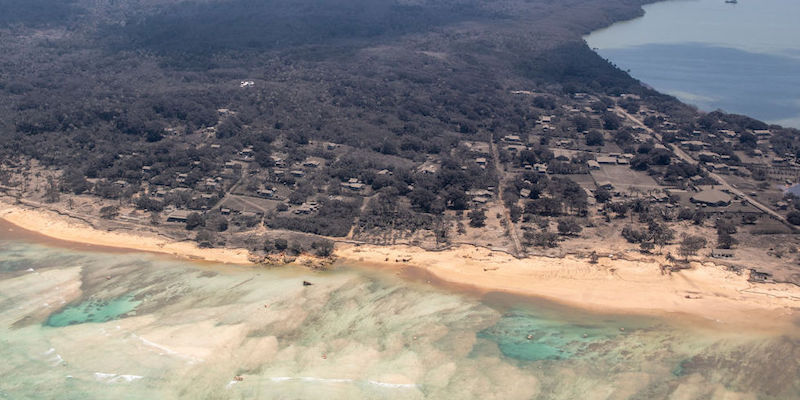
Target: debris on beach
307 283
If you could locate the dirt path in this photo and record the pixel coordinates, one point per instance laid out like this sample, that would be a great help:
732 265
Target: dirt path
363 208
512 228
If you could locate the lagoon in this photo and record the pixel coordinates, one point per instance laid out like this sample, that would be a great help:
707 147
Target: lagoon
742 58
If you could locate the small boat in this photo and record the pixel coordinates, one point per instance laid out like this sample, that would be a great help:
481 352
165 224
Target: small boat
732 1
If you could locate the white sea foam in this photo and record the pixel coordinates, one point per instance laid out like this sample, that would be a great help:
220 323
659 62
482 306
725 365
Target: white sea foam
343 380
167 350
393 385
113 378
57 360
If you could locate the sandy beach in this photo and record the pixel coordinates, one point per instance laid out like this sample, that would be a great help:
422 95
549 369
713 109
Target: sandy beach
68 229
631 285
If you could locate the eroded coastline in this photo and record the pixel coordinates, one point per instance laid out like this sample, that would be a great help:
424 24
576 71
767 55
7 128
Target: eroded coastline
633 284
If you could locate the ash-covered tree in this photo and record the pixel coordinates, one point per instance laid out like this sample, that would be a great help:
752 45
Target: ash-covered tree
477 218
793 217
323 247
569 227
194 220
691 244
595 138
109 212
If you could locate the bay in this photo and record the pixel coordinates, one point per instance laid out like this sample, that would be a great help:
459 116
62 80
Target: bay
742 58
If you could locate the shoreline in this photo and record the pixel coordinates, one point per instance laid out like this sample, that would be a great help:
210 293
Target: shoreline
626 286
632 285
67 229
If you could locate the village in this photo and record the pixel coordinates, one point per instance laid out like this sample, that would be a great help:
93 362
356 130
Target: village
595 175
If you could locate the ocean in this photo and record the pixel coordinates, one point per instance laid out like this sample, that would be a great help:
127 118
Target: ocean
742 58
79 324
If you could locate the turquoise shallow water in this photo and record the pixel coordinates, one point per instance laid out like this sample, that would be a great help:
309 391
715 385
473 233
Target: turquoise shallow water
742 58
77 325
93 310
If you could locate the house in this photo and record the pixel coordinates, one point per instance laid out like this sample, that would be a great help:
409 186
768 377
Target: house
759 276
297 173
514 148
278 161
428 168
711 197
180 216
606 160
659 197
479 193
721 253
305 208
525 193
719 167
762 133
693 145
604 184
481 161
512 139
353 184
480 196
311 163
540 168
592 164
266 193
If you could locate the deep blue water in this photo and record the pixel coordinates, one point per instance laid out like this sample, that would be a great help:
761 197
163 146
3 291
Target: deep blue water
742 58
761 85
